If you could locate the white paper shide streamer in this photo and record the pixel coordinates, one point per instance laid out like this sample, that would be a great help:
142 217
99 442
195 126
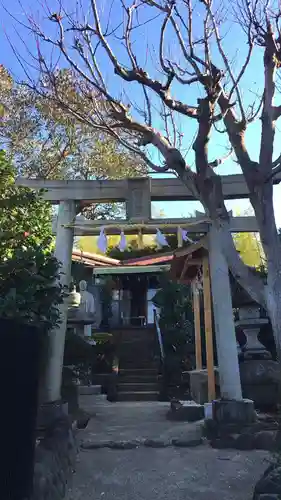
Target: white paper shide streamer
185 236
122 243
102 241
161 239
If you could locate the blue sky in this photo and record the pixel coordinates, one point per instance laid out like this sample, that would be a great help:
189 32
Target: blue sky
251 84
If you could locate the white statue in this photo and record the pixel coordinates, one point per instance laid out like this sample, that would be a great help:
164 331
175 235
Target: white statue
87 305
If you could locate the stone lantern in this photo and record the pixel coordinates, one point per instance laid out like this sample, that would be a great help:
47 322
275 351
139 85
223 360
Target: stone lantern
251 322
259 373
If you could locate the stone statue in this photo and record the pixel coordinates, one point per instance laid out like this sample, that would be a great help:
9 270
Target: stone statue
74 298
87 305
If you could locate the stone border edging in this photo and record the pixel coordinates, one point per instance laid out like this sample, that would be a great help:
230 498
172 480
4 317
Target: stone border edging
264 434
136 443
269 496
263 440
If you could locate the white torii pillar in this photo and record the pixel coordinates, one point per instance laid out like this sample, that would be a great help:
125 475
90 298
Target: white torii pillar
230 384
56 341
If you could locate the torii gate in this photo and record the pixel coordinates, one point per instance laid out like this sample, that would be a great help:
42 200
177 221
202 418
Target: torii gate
138 194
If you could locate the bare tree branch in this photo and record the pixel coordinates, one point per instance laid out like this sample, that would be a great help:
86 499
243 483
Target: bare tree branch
164 66
140 76
276 170
220 161
276 112
226 61
276 162
236 132
127 34
254 114
268 112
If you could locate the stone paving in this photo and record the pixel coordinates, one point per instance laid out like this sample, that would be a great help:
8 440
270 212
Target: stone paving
155 468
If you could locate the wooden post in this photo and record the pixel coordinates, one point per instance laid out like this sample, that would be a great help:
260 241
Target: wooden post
196 312
184 269
140 240
208 330
179 237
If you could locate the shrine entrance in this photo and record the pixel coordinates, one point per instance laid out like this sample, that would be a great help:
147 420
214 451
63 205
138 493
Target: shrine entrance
138 195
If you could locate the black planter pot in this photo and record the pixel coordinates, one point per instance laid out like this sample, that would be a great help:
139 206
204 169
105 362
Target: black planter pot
19 378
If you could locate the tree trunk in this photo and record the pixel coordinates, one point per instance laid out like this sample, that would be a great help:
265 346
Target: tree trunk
252 283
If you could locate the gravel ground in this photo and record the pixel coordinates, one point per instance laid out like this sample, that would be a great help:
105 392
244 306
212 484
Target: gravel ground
169 473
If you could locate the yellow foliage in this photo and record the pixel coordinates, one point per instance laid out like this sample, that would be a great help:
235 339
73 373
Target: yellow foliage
250 248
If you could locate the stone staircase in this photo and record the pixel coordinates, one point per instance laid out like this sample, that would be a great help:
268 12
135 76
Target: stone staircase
138 366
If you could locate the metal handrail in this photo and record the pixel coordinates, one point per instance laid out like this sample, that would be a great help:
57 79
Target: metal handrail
159 334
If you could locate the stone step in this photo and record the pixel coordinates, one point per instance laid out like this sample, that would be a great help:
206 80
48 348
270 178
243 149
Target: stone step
87 390
142 347
138 339
131 354
137 366
139 387
138 363
137 330
130 339
136 348
138 396
146 334
100 398
138 359
138 379
138 372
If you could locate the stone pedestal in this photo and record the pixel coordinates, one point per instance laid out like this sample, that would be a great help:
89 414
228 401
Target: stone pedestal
258 372
262 434
199 385
234 412
48 413
185 411
251 323
69 391
232 424
259 379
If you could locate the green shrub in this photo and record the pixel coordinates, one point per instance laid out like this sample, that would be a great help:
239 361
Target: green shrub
29 290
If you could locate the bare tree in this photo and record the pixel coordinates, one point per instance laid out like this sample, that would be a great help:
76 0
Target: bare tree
185 56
